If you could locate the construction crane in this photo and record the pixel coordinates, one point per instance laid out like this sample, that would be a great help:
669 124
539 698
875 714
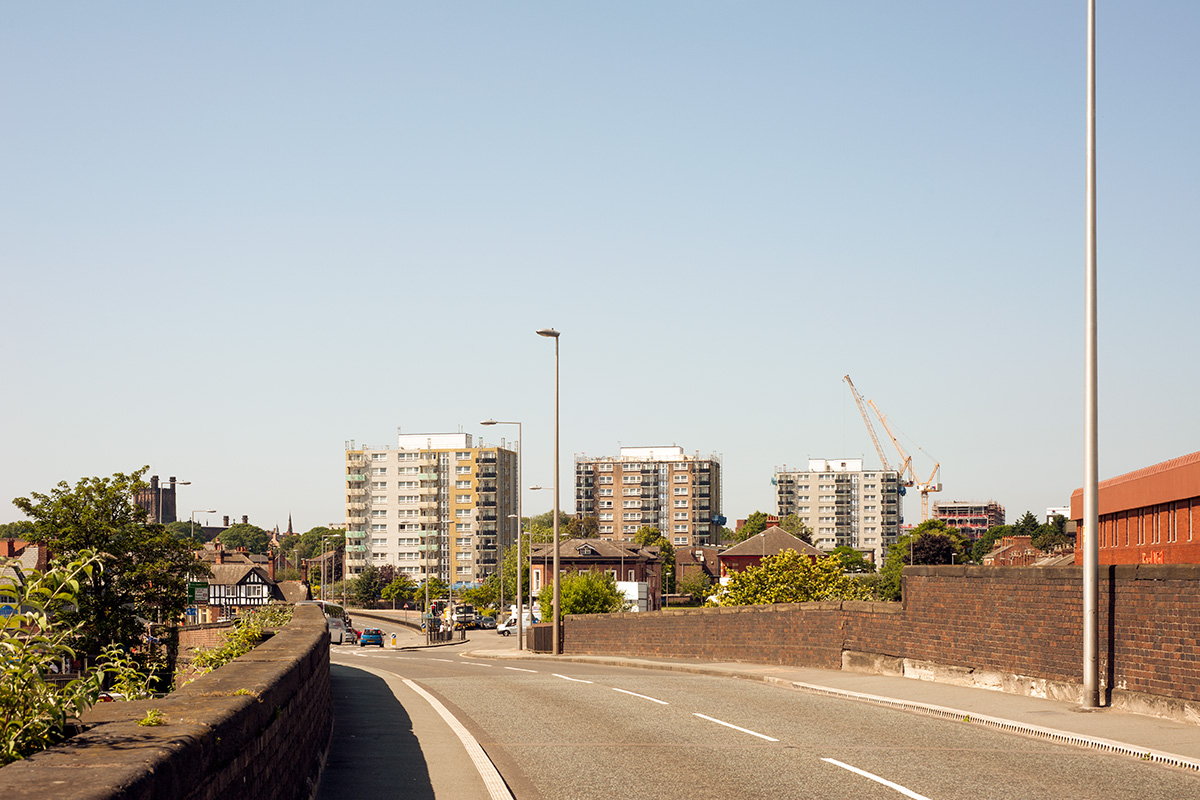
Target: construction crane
907 475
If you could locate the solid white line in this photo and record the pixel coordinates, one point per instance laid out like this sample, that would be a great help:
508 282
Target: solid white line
877 779
519 669
487 770
735 727
565 678
644 697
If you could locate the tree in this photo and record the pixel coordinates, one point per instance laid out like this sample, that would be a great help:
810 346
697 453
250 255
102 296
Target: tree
931 542
649 536
584 593
789 577
185 531
697 585
852 560
796 527
309 543
1053 534
400 589
21 529
243 534
438 590
146 569
367 586
756 523
1027 525
984 544
582 528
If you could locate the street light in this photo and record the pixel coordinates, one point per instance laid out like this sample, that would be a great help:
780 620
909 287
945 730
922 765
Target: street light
174 483
192 526
520 458
556 648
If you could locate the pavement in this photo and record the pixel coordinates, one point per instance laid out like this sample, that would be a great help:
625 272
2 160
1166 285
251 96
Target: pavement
1150 738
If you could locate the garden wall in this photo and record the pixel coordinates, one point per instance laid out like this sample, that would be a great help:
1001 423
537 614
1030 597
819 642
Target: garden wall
1012 628
258 727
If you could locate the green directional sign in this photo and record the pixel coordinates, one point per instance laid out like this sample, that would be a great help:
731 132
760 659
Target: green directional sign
197 593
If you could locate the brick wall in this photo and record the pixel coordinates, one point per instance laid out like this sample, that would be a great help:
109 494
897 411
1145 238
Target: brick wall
1017 621
258 727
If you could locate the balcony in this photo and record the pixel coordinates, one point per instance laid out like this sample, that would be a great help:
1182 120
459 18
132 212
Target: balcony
355 534
356 520
485 460
356 506
427 476
427 489
428 548
486 488
427 505
487 474
354 477
356 548
486 504
355 460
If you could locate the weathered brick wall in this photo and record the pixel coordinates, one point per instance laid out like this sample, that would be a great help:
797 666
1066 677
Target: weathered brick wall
1019 621
257 727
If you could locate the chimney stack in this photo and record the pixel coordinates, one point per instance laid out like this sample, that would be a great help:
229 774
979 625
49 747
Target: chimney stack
245 519
220 550
225 522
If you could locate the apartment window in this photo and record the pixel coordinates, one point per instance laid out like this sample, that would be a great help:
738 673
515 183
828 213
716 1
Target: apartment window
406 485
378 499
408 542
407 456
680 465
681 515
681 503
462 484
462 512
378 485
681 540
462 526
379 543
379 528
631 504
462 498
462 541
408 470
681 478
407 499
606 503
462 456
464 469
606 528
605 479
379 470
630 515
681 528
604 467
408 512
462 556
680 490
630 529
378 556
379 513
462 570
636 490
379 456
631 479
605 516
606 493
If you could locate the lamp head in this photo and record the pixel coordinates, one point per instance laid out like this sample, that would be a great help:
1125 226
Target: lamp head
488 422
548 332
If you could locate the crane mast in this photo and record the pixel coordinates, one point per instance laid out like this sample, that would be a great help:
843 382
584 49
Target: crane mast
870 428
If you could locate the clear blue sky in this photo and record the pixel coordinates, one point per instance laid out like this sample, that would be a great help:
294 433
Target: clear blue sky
234 238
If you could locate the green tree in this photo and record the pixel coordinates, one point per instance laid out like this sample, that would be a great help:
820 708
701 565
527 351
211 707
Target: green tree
1052 534
438 590
485 595
243 534
649 536
399 590
367 586
1027 525
584 593
309 544
931 542
756 523
984 544
582 528
726 536
146 569
21 529
185 531
789 578
796 527
697 585
852 560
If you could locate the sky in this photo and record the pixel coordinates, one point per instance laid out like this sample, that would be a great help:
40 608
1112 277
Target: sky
233 238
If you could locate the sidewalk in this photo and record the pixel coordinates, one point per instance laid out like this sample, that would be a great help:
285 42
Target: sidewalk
1150 738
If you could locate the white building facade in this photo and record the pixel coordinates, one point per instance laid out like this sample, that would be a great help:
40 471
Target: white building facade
435 505
660 487
843 504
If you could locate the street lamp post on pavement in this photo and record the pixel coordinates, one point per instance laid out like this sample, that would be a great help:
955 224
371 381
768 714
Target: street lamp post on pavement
159 510
556 648
520 459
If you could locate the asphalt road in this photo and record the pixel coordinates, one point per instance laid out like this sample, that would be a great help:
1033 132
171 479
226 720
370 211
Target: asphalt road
563 730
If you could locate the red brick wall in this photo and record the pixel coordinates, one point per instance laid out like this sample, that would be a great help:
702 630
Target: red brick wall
1024 621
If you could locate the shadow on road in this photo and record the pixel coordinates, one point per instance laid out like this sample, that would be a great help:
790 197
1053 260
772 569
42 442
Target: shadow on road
374 752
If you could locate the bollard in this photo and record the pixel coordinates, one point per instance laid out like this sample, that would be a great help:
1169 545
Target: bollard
393 640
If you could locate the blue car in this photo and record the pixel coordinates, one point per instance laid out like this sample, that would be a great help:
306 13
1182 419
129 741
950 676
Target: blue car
371 636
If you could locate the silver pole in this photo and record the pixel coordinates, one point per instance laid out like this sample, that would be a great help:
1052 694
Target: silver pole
1091 482
557 648
520 487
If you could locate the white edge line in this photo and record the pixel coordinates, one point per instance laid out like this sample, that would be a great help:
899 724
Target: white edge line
735 727
520 669
497 790
565 678
877 779
644 697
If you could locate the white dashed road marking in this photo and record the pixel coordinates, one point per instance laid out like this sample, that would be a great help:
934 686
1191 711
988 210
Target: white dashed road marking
735 727
565 678
644 697
877 779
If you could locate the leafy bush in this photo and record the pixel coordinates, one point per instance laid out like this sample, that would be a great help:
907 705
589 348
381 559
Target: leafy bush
35 712
790 578
248 630
584 593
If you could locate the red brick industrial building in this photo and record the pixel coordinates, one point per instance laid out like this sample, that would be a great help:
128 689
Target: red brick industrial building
1150 516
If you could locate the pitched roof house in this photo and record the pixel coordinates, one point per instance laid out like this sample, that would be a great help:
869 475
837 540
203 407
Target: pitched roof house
771 542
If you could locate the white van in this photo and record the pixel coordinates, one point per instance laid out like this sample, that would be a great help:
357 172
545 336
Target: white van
509 626
338 632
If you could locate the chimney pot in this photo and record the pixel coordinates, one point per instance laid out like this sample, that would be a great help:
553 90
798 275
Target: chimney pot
226 520
245 519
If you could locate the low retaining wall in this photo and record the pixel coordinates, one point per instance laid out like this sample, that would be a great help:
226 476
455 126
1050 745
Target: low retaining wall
258 727
1009 628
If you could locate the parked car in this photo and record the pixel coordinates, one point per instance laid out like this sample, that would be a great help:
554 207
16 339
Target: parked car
487 623
370 636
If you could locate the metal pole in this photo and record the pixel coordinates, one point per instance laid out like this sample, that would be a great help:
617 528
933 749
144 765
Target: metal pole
520 488
1091 481
557 648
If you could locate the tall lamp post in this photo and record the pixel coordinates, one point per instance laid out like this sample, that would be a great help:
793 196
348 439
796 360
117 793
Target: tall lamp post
192 526
520 459
324 549
1091 466
556 648
174 483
